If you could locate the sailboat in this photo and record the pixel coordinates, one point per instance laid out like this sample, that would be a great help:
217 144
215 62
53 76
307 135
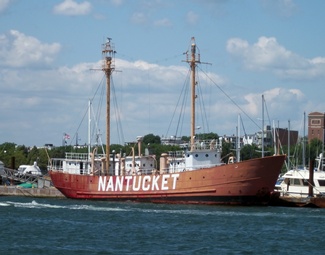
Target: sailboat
195 175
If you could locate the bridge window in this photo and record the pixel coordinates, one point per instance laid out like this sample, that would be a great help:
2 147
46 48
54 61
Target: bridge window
321 182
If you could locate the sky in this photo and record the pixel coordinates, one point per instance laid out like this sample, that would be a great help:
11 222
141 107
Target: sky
50 61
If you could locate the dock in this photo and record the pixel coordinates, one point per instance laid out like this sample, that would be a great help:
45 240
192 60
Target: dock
39 186
30 192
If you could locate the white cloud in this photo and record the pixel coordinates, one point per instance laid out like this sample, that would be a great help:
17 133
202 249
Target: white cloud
268 55
18 50
70 7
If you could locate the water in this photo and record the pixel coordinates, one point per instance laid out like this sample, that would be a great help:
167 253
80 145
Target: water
62 226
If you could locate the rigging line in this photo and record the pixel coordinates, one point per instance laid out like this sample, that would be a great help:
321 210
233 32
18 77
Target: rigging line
118 116
97 129
186 96
297 148
202 108
242 124
85 114
99 108
268 117
177 105
230 98
183 106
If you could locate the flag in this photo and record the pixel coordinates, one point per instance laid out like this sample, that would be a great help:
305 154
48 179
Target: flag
66 136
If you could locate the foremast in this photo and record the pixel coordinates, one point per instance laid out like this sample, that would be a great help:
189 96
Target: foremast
108 53
193 59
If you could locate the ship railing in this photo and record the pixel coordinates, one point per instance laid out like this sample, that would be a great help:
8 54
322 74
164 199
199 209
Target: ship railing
56 164
176 154
81 156
189 168
207 145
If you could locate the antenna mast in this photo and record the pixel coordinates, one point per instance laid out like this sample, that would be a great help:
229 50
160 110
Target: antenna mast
108 67
193 59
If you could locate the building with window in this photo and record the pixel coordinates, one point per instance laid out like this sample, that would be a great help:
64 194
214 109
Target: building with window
316 126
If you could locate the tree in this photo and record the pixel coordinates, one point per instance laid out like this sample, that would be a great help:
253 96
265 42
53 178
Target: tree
249 151
151 139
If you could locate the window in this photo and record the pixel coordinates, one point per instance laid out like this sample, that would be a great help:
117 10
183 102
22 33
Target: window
305 182
295 182
315 121
321 182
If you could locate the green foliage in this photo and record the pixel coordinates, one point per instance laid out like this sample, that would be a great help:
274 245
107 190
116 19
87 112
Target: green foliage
151 139
203 136
249 152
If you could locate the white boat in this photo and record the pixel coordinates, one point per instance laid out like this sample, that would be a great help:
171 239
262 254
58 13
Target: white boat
295 182
29 169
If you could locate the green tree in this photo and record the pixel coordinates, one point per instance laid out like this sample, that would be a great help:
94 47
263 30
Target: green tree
151 139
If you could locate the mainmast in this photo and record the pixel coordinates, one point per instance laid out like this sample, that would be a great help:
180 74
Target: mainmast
193 60
108 53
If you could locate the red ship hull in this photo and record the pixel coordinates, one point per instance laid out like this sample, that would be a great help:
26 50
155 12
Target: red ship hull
243 183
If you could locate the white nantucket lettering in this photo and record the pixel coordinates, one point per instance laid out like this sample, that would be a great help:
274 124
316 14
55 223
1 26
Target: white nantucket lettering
175 176
146 179
136 188
164 182
101 183
110 184
119 183
137 182
155 182
128 178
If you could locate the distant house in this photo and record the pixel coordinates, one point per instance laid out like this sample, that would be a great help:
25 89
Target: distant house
249 139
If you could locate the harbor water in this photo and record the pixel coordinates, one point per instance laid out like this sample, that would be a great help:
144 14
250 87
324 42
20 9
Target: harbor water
64 226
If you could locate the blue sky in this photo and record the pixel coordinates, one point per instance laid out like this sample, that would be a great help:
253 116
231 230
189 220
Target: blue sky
273 48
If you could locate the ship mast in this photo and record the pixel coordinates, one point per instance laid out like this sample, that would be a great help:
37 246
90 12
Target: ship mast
193 60
108 53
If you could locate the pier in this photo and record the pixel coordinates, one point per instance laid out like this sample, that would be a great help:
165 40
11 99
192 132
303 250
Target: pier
39 186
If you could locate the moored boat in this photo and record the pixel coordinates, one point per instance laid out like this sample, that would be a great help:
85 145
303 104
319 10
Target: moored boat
303 183
194 175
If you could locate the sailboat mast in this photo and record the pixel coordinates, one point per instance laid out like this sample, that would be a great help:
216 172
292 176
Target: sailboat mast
108 67
195 58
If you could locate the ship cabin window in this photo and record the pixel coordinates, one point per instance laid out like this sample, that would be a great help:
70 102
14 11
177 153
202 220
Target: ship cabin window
305 182
206 155
196 155
321 182
295 182
144 165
